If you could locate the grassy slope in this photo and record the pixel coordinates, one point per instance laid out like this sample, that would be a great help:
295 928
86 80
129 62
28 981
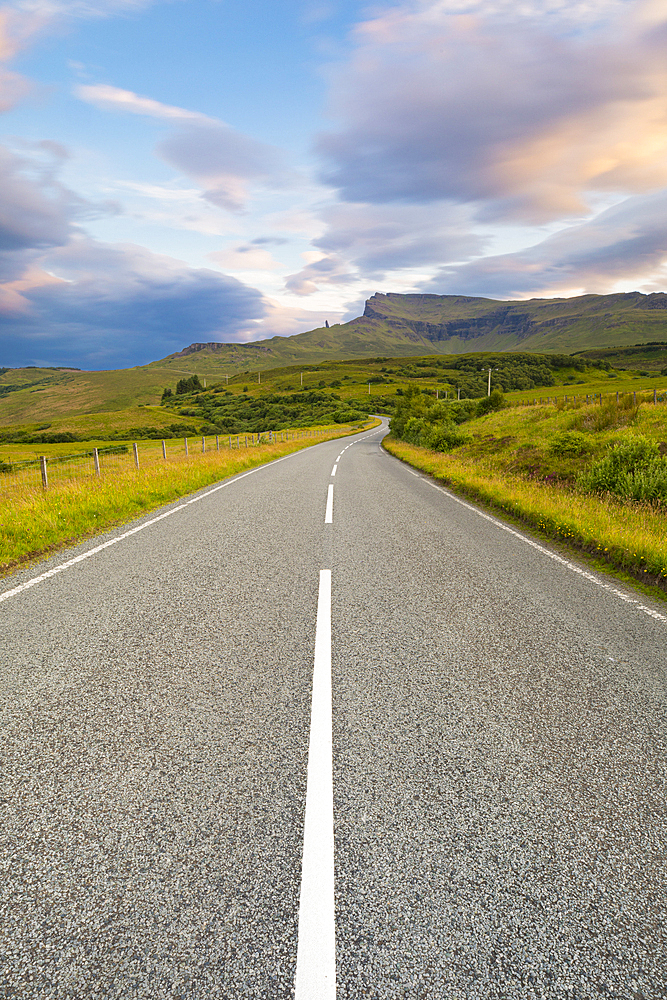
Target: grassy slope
26 410
651 357
508 464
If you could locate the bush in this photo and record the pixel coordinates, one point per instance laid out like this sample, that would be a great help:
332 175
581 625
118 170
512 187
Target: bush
496 401
569 443
444 437
438 436
632 470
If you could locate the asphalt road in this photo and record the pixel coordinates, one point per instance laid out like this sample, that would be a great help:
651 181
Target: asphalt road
498 745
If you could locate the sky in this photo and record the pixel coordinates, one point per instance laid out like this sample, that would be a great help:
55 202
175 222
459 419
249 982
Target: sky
181 171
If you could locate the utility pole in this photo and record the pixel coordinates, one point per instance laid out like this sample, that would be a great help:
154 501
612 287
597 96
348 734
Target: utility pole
489 392
369 388
302 379
259 378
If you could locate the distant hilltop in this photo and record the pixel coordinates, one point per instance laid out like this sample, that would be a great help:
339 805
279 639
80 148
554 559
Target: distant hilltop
396 325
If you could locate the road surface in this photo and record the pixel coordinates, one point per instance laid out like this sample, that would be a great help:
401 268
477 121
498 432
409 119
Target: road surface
497 759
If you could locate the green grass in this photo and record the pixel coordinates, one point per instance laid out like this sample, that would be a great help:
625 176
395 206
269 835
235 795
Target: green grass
35 522
510 463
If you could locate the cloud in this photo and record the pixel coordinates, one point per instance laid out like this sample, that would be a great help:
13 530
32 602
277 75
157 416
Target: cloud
284 321
110 98
521 115
77 8
244 257
68 299
220 159
627 243
379 238
37 211
371 241
105 306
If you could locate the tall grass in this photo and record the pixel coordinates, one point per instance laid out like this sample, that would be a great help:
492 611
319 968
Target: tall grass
41 521
629 536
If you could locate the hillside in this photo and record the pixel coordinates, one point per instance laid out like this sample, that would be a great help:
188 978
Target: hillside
392 326
639 357
405 325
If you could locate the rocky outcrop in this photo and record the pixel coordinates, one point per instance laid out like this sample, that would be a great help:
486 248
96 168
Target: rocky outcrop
216 346
498 321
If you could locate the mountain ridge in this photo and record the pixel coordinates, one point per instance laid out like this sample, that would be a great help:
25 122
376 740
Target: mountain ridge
393 323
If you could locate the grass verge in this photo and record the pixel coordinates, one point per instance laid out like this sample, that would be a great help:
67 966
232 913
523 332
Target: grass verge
40 522
628 537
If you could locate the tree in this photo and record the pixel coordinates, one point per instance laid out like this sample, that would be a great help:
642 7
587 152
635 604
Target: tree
191 384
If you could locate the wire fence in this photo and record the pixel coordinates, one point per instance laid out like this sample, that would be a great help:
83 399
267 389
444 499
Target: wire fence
48 471
653 396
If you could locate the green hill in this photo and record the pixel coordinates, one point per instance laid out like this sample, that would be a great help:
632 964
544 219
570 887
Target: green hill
647 357
392 326
406 325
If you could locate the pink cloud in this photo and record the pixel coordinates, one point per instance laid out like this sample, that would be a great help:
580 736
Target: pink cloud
520 115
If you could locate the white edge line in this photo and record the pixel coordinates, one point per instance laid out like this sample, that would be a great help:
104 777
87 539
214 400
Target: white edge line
328 516
316 948
638 606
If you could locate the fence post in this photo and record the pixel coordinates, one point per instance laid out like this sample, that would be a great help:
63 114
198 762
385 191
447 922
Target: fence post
230 442
217 443
655 396
164 451
203 444
186 445
136 454
96 461
246 440
617 396
45 478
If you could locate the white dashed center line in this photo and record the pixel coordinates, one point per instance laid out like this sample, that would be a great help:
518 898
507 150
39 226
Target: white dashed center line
328 517
316 950
333 471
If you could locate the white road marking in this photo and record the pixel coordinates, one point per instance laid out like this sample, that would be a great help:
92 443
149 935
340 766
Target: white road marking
316 949
333 471
328 516
638 606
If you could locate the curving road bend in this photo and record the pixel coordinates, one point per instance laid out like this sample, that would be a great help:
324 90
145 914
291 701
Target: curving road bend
482 779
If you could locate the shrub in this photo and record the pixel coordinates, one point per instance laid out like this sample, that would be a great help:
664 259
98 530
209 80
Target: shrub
444 437
632 470
569 443
496 401
437 436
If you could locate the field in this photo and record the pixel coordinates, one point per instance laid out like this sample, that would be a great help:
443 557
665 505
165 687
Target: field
517 461
115 403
